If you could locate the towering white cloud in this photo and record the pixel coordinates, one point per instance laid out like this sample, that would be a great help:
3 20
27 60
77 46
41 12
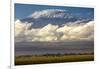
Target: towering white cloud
82 31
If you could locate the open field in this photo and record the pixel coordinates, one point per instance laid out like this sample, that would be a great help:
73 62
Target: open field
42 59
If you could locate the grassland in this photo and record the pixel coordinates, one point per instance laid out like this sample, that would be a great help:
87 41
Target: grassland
42 59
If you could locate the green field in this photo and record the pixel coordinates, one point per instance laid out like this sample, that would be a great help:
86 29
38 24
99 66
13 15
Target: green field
42 59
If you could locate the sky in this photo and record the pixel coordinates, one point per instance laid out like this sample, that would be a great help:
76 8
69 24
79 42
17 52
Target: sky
24 10
53 23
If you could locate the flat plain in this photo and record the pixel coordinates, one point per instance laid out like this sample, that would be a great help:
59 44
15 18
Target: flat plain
42 59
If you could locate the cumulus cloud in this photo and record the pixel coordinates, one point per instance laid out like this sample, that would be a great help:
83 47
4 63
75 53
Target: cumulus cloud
82 31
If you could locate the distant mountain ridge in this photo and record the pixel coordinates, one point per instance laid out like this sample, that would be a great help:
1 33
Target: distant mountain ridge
51 16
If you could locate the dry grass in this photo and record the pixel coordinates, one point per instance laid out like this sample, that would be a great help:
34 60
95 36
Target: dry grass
26 60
